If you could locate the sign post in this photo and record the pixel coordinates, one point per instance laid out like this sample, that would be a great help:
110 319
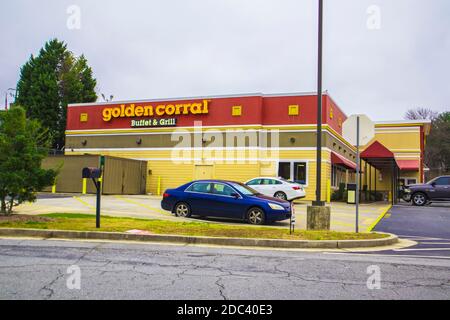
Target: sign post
358 130
358 173
95 174
292 220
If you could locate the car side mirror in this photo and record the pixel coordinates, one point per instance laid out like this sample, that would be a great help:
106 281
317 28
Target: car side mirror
235 195
433 184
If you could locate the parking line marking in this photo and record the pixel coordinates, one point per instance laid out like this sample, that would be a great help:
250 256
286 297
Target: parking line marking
373 225
438 243
422 238
143 205
84 203
387 255
424 249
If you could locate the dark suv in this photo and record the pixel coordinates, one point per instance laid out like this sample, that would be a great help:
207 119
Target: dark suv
437 189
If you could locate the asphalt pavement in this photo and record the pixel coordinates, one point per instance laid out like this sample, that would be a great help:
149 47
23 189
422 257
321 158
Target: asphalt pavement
47 269
429 226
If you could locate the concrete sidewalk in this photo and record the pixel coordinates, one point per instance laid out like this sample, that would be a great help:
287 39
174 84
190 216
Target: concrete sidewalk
148 207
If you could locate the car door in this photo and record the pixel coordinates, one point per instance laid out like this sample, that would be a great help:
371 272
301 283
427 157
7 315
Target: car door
200 198
442 188
225 204
272 186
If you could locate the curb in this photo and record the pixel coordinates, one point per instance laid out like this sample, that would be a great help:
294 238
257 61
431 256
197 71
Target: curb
239 242
377 221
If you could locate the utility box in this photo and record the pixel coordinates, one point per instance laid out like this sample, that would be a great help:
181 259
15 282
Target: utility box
351 191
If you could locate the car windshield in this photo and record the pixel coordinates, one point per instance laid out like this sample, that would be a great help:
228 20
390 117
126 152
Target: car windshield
433 180
245 190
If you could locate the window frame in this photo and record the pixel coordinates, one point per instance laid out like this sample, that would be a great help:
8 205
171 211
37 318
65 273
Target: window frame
198 192
222 195
292 169
249 183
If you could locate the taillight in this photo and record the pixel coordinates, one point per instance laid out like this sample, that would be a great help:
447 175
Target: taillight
166 195
297 188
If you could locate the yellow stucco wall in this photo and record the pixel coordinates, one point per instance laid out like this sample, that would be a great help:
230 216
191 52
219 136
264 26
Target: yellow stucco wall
182 169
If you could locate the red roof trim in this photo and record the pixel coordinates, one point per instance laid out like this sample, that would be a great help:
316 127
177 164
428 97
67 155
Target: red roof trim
340 160
376 151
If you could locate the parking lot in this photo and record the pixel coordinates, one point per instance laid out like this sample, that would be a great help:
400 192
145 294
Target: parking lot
428 226
148 207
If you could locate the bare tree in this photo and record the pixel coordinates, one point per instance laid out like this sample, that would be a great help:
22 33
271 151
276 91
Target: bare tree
421 114
111 97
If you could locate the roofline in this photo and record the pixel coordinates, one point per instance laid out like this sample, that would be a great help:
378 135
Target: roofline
409 122
243 95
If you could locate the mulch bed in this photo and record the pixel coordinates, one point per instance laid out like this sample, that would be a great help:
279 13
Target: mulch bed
24 218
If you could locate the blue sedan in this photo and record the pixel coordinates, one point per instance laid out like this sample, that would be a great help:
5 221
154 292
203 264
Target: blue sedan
226 199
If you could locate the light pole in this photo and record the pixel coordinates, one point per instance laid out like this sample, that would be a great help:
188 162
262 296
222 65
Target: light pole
319 215
319 201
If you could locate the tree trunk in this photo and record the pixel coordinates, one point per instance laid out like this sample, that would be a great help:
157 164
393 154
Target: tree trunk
3 206
11 205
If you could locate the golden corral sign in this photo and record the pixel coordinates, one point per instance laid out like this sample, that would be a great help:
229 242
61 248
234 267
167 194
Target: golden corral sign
136 111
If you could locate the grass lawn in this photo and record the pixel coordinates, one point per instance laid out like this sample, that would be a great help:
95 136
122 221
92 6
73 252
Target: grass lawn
84 222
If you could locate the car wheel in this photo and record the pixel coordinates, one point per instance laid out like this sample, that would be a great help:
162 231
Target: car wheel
419 199
256 216
182 210
280 195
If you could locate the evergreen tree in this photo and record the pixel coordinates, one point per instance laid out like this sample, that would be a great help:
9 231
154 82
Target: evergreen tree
23 146
52 80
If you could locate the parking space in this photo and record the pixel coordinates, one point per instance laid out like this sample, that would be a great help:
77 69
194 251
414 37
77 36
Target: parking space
148 207
429 226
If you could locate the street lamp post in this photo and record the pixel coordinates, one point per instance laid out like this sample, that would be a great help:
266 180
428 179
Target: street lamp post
319 215
319 201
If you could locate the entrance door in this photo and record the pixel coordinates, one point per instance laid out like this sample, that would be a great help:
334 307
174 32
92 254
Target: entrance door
203 172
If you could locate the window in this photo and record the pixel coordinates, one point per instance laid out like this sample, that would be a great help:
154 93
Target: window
200 188
337 175
442 181
270 182
223 190
300 172
294 171
284 170
255 182
411 181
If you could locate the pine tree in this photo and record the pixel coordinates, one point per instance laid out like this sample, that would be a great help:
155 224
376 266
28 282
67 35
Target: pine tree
52 80
23 146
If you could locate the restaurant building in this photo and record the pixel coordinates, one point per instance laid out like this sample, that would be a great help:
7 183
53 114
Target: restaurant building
242 137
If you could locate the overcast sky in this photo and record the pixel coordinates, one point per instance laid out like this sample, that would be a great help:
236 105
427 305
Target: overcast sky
181 48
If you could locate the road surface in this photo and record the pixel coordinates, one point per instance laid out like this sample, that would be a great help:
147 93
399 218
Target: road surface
47 269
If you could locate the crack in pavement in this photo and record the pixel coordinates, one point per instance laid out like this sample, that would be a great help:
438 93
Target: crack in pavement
48 287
